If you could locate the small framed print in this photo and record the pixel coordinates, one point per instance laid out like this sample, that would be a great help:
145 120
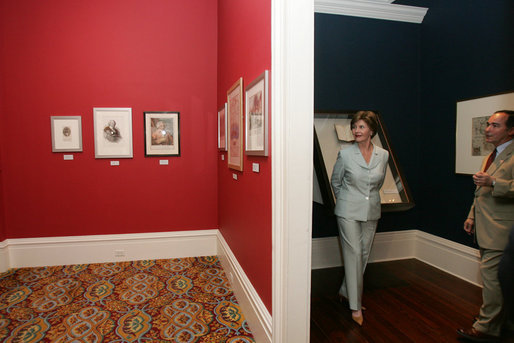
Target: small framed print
222 128
66 133
162 134
256 116
235 125
113 132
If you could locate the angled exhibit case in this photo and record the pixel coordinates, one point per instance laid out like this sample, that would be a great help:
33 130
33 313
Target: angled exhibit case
332 132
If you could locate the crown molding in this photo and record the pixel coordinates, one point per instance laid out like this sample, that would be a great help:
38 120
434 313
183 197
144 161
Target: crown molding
377 9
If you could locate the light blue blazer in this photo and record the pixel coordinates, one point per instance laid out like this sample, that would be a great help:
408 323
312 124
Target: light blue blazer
356 184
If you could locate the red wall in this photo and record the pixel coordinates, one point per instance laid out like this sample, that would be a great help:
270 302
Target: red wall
62 57
3 236
244 50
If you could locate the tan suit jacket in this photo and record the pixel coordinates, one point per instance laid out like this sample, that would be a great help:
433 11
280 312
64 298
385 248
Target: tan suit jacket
493 207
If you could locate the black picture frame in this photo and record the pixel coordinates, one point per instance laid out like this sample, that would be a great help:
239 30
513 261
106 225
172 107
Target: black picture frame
162 133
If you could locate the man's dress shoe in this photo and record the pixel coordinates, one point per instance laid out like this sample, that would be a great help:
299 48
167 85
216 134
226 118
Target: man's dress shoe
477 336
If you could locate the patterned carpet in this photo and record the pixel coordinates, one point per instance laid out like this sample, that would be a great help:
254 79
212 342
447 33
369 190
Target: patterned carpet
174 300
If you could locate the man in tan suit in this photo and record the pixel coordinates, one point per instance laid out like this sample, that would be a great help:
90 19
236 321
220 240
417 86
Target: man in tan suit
490 218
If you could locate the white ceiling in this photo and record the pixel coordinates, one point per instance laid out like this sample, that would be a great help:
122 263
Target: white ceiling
377 9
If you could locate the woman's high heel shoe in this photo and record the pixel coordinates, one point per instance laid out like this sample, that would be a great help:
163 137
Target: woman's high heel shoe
358 319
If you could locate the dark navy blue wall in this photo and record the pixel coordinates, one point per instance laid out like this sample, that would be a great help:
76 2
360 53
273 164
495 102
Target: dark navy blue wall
414 74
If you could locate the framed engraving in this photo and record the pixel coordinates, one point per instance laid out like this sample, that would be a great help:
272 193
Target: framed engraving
162 133
472 115
256 116
66 133
113 132
235 125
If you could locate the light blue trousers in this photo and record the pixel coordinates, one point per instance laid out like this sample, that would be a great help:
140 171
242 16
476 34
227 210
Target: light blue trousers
356 240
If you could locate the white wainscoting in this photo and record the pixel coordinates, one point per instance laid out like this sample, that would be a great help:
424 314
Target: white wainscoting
453 258
55 251
4 257
255 311
52 251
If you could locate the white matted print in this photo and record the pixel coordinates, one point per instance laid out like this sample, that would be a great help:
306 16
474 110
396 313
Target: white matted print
113 132
472 115
256 113
66 133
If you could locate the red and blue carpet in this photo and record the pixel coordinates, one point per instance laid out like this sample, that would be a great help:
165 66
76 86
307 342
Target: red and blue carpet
174 300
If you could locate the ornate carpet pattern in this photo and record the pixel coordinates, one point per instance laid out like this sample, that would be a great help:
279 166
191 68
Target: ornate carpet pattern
173 300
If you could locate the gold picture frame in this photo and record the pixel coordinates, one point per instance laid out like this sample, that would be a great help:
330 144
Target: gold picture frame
235 125
222 128
256 116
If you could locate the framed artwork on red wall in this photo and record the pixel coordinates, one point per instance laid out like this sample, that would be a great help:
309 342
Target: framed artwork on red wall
256 116
222 128
235 125
113 132
162 133
66 133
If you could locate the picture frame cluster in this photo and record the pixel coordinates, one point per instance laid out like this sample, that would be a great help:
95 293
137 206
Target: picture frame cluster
242 127
113 133
255 119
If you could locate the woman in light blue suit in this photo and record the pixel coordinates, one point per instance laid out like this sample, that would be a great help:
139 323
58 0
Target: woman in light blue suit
356 180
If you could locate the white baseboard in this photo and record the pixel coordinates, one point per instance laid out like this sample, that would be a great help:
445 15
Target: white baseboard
326 252
453 258
4 257
255 311
54 251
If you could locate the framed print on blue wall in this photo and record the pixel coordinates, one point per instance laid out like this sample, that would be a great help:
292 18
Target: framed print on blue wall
472 115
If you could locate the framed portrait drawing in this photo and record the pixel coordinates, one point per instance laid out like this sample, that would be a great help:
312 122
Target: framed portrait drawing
470 145
66 133
113 132
162 133
235 125
256 116
222 128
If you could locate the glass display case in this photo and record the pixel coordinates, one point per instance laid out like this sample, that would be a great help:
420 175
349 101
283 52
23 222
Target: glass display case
332 132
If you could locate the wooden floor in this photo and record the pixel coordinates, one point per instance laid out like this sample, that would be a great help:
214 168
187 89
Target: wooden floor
406 301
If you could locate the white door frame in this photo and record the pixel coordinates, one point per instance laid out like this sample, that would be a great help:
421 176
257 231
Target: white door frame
292 107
